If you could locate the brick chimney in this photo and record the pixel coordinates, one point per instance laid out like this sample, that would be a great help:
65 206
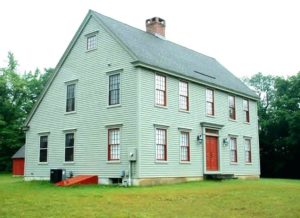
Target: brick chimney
156 26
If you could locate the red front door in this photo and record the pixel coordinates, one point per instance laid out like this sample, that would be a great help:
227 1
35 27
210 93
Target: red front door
212 153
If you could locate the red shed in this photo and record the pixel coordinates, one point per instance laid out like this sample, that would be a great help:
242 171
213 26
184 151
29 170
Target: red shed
18 162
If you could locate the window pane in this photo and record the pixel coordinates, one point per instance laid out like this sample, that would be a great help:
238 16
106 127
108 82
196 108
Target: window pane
91 42
114 89
233 150
160 90
70 104
161 144
43 155
114 144
184 146
43 141
69 154
69 147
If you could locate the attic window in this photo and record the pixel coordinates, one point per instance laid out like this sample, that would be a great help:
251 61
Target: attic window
91 42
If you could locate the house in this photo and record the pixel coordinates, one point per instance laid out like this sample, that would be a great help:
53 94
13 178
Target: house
126 104
18 162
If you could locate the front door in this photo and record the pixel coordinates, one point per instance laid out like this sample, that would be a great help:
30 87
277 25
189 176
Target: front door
212 153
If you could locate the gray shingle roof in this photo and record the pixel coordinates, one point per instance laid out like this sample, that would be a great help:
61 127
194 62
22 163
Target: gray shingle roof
20 153
166 55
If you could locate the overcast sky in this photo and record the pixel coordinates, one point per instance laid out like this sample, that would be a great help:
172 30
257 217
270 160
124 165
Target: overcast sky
246 36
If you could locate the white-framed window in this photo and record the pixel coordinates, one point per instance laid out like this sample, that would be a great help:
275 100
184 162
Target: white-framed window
248 152
114 89
91 42
161 144
246 110
233 150
231 103
183 96
160 90
114 144
210 110
70 100
184 146
69 146
43 149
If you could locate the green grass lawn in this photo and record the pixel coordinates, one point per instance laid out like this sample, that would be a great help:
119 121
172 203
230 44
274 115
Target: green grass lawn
232 198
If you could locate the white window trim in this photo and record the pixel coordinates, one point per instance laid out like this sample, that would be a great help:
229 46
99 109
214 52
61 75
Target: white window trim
114 126
92 34
155 153
237 156
188 96
251 151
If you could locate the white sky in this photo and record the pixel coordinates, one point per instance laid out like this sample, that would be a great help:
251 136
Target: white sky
247 36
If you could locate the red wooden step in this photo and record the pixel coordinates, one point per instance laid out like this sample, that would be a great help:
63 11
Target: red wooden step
79 180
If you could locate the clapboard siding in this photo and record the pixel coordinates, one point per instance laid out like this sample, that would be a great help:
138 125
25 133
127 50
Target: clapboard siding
174 119
92 114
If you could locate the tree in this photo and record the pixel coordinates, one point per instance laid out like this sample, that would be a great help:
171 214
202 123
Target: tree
279 121
18 93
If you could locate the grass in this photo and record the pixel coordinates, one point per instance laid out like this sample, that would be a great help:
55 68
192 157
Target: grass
232 198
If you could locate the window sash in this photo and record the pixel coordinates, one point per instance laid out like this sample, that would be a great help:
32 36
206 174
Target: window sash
43 149
246 110
183 96
209 102
160 90
69 147
248 156
114 89
231 102
161 144
233 150
91 42
70 101
114 144
184 146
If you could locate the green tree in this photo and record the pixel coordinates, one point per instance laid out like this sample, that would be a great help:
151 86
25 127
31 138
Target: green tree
18 93
279 121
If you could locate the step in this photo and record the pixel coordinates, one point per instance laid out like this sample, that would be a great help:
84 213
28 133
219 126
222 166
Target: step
219 176
79 180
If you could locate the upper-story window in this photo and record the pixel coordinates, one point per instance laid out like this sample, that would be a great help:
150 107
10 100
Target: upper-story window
231 102
183 96
184 146
210 102
246 110
233 150
248 155
69 147
70 101
114 144
91 42
114 89
160 90
43 148
161 144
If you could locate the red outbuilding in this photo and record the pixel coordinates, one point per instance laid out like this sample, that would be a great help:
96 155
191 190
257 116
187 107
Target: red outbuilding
18 161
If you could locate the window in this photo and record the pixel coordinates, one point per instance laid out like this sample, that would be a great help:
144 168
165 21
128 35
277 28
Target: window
231 101
91 42
183 96
69 147
246 110
233 150
161 144
114 89
43 148
114 144
160 90
210 102
248 156
185 146
70 104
